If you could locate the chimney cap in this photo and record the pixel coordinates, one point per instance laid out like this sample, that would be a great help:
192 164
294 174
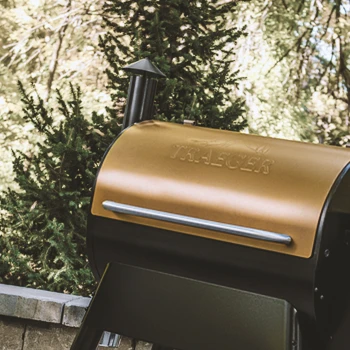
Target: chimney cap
144 67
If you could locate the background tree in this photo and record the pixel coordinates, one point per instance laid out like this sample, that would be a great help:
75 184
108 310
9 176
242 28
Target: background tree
193 44
48 43
297 68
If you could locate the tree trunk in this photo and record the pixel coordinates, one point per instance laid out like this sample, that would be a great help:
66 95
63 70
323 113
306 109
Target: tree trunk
56 53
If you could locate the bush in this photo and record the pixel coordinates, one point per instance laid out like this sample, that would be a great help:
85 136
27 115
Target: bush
43 225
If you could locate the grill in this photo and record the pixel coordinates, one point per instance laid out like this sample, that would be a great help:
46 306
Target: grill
208 239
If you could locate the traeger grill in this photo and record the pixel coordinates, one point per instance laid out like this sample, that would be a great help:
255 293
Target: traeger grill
208 239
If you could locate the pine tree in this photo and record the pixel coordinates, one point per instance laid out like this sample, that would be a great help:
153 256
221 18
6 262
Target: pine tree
192 43
43 226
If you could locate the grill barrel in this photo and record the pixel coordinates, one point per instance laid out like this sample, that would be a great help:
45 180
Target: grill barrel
261 216
308 270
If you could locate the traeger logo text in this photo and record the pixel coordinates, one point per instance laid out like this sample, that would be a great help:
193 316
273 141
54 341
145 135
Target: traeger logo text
256 162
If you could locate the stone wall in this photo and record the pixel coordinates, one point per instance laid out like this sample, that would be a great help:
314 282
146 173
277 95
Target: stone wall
33 319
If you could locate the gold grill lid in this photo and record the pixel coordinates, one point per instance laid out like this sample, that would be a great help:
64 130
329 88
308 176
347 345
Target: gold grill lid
254 183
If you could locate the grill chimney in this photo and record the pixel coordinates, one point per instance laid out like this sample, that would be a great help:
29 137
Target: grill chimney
142 89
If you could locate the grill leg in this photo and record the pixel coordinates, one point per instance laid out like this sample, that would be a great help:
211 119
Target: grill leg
104 312
87 338
90 333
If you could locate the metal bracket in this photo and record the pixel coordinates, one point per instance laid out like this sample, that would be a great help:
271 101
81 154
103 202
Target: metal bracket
109 340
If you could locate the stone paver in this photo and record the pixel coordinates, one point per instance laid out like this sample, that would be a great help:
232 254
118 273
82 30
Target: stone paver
49 338
59 317
74 312
32 303
141 345
125 344
11 335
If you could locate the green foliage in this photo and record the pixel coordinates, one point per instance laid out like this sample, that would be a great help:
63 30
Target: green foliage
192 43
43 225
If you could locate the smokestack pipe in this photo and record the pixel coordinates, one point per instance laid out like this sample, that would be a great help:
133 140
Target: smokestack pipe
142 89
